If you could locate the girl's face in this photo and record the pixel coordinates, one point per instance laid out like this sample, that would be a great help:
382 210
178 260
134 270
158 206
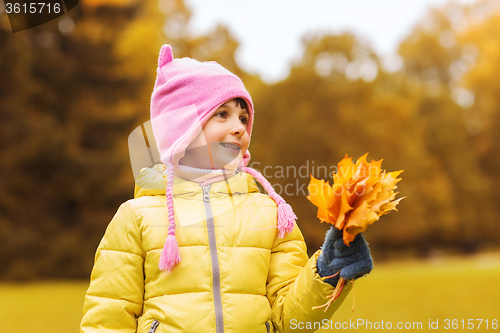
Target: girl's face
223 141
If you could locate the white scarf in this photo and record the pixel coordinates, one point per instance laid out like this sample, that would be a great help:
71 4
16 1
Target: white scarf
205 176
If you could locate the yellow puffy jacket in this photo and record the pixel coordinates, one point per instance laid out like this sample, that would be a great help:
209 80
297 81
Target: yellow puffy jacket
236 273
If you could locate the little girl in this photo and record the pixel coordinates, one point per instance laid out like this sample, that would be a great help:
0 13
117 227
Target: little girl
199 248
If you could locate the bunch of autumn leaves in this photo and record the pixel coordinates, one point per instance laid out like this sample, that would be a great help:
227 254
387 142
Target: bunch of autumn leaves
361 192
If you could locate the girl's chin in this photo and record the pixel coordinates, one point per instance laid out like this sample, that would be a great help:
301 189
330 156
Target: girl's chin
227 159
227 164
220 159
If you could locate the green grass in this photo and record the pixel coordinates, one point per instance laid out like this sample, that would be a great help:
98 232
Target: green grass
54 307
419 291
411 291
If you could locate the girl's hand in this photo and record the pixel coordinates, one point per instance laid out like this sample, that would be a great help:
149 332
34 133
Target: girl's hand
352 261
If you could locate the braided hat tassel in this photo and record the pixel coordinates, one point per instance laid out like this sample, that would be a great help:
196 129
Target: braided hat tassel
170 255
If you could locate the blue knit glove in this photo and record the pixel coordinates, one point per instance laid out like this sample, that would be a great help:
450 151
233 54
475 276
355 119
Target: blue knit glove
352 261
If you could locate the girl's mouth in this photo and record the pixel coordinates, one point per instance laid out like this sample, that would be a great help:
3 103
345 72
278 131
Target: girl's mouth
231 146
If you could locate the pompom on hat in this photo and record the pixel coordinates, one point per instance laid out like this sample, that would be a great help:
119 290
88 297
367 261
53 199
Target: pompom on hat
186 94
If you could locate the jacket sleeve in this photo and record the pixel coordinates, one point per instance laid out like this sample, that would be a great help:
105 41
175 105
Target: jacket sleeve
295 287
114 298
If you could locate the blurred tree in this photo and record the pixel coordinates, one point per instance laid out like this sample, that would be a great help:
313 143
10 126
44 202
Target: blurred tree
480 44
456 192
71 92
63 158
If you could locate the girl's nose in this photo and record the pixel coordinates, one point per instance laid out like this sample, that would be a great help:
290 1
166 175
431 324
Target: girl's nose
238 128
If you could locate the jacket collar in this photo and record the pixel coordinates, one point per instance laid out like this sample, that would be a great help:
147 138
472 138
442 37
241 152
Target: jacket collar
152 181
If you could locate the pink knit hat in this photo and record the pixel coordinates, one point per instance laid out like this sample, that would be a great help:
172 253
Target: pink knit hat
186 95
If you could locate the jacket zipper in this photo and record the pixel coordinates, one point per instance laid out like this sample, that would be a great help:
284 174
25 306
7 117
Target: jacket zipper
219 320
154 326
268 327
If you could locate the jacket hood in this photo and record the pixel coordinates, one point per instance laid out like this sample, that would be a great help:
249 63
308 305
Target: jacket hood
152 181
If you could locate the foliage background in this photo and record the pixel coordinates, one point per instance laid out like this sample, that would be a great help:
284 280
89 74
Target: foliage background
73 89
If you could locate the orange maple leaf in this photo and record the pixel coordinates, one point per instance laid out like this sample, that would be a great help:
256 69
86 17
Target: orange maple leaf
361 192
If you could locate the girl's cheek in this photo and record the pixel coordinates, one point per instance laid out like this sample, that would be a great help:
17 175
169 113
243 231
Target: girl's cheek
200 140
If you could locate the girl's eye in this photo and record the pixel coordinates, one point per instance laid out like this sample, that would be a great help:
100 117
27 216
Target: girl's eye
244 120
221 114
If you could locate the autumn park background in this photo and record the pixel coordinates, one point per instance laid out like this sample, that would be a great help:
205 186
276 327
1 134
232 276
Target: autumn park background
73 89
